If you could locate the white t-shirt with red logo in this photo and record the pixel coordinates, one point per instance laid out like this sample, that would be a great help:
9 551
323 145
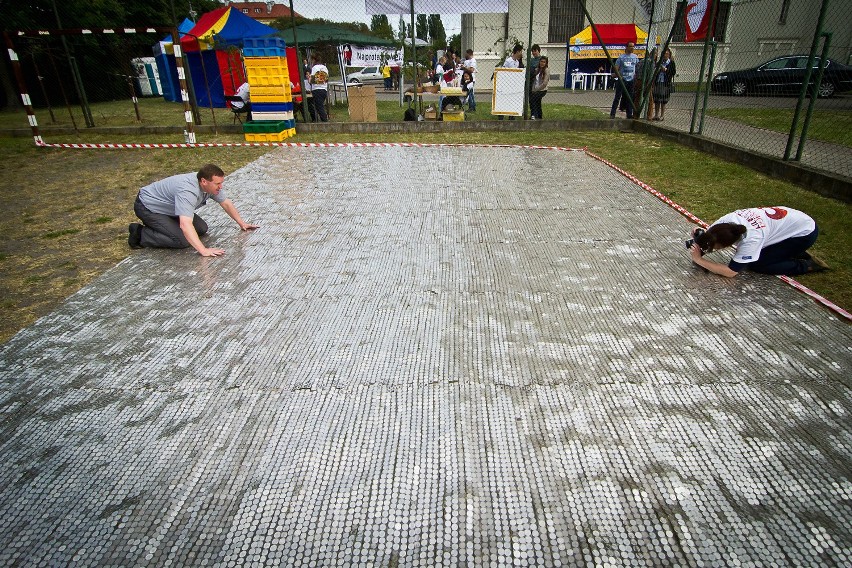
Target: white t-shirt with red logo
766 226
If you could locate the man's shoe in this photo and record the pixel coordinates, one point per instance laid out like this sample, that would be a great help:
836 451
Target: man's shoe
135 237
816 265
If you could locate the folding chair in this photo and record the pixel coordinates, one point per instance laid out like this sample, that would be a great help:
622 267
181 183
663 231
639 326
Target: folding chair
245 109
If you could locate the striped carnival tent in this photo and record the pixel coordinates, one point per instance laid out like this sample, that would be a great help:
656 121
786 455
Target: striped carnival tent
585 45
586 53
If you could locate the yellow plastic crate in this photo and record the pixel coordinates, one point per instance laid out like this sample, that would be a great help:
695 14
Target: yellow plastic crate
267 136
276 90
288 98
257 62
454 116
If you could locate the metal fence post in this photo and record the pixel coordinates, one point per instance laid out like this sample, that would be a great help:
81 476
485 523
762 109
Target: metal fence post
820 22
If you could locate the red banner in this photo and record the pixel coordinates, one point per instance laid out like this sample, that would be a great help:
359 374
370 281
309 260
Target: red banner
697 19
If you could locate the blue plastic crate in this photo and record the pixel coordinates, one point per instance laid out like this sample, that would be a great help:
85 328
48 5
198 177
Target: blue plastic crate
264 42
264 52
272 107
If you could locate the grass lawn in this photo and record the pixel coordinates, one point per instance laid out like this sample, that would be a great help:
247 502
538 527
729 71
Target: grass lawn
66 210
825 125
158 112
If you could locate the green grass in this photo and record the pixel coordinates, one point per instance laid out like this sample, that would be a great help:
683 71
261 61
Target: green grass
825 125
158 112
60 233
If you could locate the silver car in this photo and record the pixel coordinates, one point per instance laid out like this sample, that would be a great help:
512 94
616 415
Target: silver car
366 75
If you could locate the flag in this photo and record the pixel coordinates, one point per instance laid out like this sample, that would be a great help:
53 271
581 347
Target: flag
697 19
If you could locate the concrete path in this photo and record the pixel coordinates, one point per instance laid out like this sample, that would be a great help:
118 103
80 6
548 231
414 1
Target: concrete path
513 363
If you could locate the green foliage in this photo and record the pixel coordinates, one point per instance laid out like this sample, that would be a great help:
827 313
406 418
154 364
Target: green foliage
380 27
422 27
455 43
69 14
437 31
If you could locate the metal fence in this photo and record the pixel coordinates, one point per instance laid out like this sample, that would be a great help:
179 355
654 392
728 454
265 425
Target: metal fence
757 62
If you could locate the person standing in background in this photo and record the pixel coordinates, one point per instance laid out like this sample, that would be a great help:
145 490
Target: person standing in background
663 84
319 86
539 88
469 66
626 65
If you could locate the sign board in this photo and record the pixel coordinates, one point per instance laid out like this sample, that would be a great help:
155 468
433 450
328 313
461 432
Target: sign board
367 55
507 98
597 52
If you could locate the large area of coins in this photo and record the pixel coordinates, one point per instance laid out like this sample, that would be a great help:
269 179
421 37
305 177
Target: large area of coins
439 356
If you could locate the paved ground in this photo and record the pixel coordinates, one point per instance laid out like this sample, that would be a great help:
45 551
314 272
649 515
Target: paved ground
495 368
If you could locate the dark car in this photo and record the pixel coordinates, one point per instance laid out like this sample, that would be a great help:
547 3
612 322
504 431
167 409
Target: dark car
784 76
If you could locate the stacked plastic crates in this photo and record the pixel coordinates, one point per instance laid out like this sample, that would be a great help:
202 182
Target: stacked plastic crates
269 86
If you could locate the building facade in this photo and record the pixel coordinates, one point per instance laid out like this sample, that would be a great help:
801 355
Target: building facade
749 32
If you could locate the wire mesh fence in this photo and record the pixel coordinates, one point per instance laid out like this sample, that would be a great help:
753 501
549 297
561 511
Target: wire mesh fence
746 86
96 78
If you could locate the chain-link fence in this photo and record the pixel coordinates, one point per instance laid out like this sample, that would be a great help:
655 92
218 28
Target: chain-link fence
98 78
757 60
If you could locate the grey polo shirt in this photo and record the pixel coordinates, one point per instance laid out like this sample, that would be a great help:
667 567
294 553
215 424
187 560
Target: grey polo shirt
175 196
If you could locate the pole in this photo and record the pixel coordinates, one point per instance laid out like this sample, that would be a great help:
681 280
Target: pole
814 95
22 88
184 93
529 73
711 31
299 62
820 22
75 73
628 96
413 56
707 86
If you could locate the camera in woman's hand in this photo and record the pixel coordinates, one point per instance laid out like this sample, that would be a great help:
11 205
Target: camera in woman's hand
695 234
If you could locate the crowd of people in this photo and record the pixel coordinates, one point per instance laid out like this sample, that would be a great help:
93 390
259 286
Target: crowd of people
633 78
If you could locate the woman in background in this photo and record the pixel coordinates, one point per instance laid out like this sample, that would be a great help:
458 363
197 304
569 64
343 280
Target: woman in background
663 84
539 88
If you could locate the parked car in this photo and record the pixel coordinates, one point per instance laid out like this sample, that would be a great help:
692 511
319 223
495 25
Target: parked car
366 75
784 76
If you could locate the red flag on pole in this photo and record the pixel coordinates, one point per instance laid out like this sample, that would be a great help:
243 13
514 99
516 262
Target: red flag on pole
697 19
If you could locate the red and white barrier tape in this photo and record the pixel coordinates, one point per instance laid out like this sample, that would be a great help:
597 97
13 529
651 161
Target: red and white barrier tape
111 146
797 285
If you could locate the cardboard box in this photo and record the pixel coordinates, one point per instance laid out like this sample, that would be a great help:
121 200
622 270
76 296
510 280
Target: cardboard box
362 104
430 114
456 116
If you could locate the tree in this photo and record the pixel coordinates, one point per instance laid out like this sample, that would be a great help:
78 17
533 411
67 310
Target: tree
455 43
437 32
380 26
422 26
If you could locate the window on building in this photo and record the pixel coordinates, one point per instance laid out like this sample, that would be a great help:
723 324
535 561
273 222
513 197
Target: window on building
257 10
245 10
785 7
566 20
722 14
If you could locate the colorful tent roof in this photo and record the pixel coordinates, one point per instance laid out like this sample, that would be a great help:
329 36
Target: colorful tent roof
184 27
223 27
612 34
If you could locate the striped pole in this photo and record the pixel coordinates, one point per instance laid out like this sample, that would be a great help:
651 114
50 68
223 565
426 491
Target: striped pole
22 87
189 137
